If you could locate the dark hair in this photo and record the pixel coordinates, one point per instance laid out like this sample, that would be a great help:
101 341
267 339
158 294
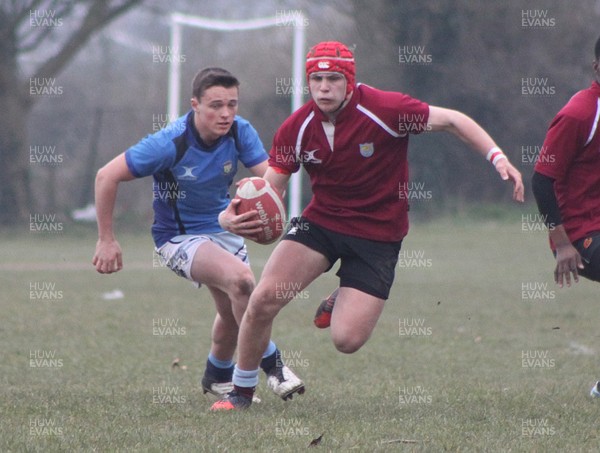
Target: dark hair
210 77
597 50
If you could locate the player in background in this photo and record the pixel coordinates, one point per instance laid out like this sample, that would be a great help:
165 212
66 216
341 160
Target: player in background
566 186
193 162
352 140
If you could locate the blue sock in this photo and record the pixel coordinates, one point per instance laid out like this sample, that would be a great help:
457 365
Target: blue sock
221 370
219 363
244 378
271 348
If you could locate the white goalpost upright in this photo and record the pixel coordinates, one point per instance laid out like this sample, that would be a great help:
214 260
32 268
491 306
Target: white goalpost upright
298 22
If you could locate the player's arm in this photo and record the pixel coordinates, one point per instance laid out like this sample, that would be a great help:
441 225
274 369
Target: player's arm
568 259
108 256
278 179
471 133
260 169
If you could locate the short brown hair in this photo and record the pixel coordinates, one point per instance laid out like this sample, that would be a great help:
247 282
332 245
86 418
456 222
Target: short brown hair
210 77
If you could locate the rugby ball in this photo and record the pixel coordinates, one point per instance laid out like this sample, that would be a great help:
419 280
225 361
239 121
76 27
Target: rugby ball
257 194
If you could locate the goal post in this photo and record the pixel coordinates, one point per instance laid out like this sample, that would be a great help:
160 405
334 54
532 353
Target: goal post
298 22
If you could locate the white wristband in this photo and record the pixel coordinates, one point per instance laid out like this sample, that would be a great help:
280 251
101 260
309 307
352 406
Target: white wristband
498 158
494 155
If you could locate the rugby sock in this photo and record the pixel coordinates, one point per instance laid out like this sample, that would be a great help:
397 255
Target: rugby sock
222 370
247 392
244 381
269 358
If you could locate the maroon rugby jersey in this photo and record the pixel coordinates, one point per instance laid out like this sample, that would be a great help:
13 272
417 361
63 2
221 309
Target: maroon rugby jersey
571 156
357 186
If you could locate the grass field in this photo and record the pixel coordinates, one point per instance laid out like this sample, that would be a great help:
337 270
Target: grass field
477 350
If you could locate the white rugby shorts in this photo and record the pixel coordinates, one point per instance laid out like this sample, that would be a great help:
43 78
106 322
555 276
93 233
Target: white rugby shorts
178 253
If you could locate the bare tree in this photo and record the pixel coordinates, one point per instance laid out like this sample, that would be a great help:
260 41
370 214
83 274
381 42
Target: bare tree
24 26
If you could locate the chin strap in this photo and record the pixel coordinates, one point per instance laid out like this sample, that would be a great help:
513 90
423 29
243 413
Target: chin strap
344 102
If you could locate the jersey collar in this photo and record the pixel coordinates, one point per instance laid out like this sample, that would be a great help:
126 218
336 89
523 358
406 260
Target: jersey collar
194 138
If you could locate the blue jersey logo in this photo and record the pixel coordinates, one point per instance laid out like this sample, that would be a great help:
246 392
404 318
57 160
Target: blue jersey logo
187 174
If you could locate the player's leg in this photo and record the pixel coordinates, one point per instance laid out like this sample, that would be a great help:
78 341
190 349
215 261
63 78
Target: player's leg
323 314
220 262
225 327
589 249
221 270
218 373
366 276
230 282
292 265
355 316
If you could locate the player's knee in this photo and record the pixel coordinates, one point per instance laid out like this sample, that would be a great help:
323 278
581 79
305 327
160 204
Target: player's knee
242 284
264 304
347 347
347 343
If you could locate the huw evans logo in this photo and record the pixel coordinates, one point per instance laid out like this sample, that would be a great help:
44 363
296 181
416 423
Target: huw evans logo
44 86
408 259
536 359
167 395
413 327
45 155
537 87
44 291
537 291
44 359
290 427
40 426
537 18
44 18
414 395
414 55
167 327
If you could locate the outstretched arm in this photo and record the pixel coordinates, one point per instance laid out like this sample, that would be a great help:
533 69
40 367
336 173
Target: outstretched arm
466 129
108 257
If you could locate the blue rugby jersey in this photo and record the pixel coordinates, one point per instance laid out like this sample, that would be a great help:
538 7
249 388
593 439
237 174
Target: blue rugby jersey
190 193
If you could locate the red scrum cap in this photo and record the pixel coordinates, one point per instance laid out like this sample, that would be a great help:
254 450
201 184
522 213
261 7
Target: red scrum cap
332 56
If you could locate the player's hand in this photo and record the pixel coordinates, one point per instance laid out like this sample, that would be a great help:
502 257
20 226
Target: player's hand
568 261
508 172
246 225
108 257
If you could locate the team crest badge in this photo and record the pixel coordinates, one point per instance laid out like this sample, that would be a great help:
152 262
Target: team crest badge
587 243
227 167
366 149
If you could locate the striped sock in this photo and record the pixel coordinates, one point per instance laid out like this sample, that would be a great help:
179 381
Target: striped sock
245 381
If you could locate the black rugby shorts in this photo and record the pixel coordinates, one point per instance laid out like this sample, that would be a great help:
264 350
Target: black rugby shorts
589 249
366 265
